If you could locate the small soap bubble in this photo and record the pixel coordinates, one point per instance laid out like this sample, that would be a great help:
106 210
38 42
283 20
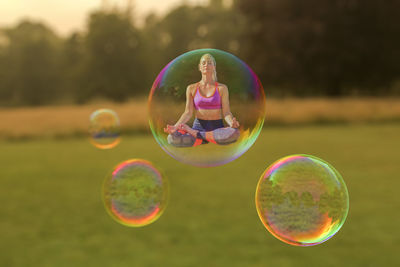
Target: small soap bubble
135 194
206 108
302 200
104 129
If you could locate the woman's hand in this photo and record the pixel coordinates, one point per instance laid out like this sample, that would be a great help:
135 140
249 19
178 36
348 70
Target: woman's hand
235 123
171 129
186 128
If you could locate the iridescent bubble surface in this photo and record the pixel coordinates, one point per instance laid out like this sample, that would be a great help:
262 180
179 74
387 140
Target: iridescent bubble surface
136 193
302 200
168 96
104 129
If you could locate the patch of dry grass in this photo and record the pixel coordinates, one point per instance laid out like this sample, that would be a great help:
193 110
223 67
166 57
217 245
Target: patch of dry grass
69 120
323 110
66 120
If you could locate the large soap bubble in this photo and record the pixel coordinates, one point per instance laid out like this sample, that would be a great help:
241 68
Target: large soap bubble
135 193
206 107
302 200
104 128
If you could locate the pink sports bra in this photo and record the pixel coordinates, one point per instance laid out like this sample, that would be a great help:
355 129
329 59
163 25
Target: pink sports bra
211 102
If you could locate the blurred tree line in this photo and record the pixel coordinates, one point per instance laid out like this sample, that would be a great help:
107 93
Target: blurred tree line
297 48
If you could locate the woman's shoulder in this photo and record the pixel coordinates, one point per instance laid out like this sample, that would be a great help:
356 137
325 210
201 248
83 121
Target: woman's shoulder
222 87
192 86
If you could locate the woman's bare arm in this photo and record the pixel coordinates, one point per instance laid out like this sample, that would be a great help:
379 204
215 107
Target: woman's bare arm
187 114
226 111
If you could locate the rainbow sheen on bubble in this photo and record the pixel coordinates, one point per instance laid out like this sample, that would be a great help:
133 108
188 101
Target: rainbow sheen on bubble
136 193
168 97
104 129
302 200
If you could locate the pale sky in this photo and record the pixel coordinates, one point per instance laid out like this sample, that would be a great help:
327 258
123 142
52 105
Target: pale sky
64 16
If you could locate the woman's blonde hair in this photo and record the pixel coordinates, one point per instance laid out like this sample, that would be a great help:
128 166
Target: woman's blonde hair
209 56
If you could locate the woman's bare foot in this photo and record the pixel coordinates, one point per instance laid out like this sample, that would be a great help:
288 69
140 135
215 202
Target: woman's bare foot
170 129
186 128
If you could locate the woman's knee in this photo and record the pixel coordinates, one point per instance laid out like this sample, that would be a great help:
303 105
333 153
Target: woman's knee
224 136
180 140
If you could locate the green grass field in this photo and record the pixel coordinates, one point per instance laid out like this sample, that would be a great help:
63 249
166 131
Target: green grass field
52 213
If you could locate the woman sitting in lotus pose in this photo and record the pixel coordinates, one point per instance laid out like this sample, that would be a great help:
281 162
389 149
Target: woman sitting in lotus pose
210 100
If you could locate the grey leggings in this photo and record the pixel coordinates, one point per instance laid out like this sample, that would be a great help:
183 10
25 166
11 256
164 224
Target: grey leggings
221 135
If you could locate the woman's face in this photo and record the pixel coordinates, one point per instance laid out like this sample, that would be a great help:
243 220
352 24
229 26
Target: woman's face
206 65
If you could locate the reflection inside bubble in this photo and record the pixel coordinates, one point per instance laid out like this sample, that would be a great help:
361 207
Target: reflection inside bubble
302 200
136 193
104 129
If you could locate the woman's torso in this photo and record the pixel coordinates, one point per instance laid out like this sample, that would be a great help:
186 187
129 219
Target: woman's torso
207 102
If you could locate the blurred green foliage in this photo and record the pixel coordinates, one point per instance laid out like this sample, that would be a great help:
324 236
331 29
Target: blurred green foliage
297 212
298 48
333 48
